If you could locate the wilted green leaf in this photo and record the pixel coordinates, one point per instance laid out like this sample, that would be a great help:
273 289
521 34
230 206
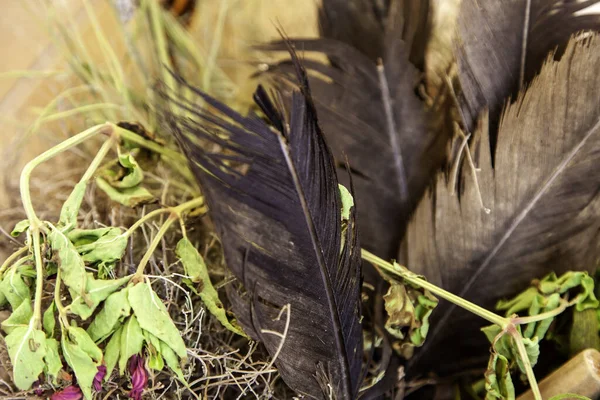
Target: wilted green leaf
569 280
130 197
14 288
82 364
52 359
154 318
519 303
115 309
347 202
195 268
498 382
70 208
20 227
133 175
408 311
49 321
171 359
132 340
507 348
19 317
97 291
112 351
70 262
153 345
81 338
104 245
27 349
540 305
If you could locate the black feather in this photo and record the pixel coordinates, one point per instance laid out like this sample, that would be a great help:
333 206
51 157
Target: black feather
275 203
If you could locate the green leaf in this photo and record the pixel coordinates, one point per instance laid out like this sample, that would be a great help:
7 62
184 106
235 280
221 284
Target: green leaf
19 317
14 288
569 280
134 174
171 360
103 245
112 351
498 382
27 349
519 303
49 321
70 208
115 309
52 359
130 197
153 345
81 338
541 305
154 318
97 291
408 311
507 348
70 263
20 227
347 202
195 268
132 340
82 364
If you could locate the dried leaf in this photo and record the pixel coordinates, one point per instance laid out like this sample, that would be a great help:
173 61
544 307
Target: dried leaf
103 245
14 288
70 208
97 291
52 360
130 197
153 317
20 227
19 317
132 340
112 352
27 349
482 256
115 309
195 268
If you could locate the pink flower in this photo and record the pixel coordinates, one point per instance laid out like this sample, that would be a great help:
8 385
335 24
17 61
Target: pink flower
69 393
139 377
98 378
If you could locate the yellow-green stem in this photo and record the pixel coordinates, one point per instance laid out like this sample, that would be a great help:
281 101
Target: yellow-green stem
459 301
518 339
39 280
7 263
139 273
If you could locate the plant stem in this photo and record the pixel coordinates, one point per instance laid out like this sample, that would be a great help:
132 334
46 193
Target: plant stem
153 245
62 312
178 210
161 44
540 317
39 279
150 145
415 280
518 339
35 223
12 258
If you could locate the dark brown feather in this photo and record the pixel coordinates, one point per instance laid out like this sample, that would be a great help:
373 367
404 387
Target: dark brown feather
274 198
544 199
502 45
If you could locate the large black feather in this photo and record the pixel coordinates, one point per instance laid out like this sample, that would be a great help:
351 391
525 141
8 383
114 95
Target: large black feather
370 113
502 45
543 194
274 198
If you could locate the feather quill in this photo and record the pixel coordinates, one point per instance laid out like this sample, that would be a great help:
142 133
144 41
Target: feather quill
544 196
370 113
502 45
273 194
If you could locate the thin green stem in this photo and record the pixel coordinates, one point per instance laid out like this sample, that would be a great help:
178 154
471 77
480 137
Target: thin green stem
79 110
39 280
161 43
150 145
34 221
540 317
415 280
178 210
518 339
7 263
139 273
62 311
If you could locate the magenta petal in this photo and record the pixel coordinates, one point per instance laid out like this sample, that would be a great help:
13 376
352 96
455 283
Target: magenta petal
69 393
99 377
139 377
